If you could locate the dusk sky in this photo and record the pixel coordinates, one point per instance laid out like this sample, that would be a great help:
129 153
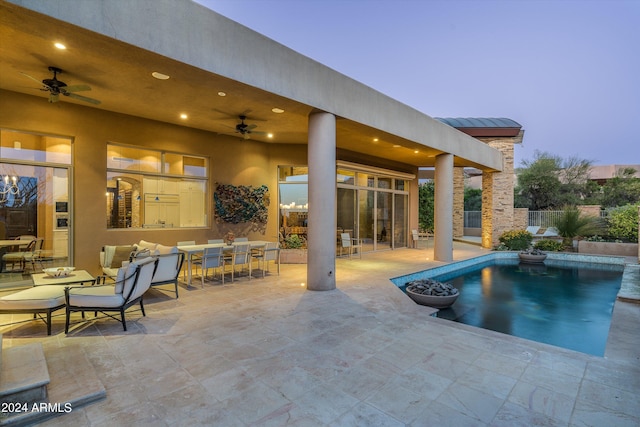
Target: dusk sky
567 71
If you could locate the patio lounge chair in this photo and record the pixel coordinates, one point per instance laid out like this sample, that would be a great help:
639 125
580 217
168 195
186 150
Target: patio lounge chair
131 284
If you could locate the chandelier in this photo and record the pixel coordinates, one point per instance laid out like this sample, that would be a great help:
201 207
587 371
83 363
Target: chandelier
8 187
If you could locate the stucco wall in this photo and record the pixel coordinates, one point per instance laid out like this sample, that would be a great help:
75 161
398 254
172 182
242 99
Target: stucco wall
232 161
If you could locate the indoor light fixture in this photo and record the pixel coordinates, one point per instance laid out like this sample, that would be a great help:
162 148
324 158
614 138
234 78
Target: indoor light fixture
277 110
221 93
59 45
8 188
160 76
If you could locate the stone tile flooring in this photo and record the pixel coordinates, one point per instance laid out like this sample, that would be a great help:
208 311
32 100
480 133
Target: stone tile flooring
266 352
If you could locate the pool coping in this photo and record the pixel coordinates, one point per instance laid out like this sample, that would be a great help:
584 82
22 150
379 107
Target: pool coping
629 289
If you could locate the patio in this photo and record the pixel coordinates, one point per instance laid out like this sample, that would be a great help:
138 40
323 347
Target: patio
267 352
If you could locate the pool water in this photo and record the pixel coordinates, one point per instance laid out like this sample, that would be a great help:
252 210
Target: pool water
562 304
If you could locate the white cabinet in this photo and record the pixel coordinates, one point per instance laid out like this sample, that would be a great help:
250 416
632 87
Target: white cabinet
192 204
161 210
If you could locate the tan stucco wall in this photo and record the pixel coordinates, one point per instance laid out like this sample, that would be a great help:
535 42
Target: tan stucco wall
232 161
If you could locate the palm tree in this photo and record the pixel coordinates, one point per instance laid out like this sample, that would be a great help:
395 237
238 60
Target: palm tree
573 223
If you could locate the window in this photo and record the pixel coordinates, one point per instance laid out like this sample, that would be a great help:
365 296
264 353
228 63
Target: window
155 189
34 191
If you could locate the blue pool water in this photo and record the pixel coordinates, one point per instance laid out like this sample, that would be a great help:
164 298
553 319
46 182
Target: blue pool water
563 304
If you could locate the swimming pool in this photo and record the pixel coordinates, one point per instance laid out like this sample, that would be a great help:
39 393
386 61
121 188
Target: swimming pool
566 303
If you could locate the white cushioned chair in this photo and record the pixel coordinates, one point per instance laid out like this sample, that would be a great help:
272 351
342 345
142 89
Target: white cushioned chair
170 261
131 283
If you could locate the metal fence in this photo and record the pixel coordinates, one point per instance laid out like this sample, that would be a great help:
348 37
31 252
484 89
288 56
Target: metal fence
473 219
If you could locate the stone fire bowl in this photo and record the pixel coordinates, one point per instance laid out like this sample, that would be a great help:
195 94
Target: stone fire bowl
433 300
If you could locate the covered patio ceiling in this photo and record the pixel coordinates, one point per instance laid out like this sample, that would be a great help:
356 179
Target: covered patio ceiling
120 77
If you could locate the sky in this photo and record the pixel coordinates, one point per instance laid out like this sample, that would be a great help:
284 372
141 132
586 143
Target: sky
567 70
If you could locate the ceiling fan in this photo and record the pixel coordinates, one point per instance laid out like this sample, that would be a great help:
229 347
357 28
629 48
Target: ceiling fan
56 87
244 129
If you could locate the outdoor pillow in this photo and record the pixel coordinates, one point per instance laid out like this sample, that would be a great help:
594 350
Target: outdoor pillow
122 253
143 244
165 250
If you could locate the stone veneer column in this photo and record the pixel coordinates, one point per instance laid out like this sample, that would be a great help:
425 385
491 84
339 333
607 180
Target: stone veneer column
497 194
443 215
321 232
458 202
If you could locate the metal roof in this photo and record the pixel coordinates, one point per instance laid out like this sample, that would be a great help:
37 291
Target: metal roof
484 127
479 122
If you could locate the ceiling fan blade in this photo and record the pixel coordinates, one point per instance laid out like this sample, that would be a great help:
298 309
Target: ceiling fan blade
77 88
83 98
32 78
249 127
54 97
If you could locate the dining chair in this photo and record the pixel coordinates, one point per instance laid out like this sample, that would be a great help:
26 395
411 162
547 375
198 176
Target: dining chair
18 257
35 255
212 258
241 239
271 252
242 257
212 241
194 257
350 244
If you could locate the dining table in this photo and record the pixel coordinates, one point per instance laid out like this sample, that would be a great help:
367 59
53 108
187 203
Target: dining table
191 250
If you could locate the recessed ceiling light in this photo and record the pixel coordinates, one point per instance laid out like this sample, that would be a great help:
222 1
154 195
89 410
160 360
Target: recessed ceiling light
277 110
269 135
59 45
396 146
375 139
160 76
416 151
221 93
183 116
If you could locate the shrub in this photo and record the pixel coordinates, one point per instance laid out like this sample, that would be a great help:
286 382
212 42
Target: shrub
623 223
548 245
516 240
293 241
574 223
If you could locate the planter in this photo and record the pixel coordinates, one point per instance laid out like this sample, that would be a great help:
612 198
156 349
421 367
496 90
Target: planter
433 300
608 248
293 256
532 258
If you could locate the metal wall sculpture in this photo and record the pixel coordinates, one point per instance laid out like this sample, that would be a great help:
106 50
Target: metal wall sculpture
243 203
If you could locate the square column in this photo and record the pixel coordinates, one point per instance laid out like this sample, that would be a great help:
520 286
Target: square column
321 232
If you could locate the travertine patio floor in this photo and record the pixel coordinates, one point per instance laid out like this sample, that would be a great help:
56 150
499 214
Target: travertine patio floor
267 352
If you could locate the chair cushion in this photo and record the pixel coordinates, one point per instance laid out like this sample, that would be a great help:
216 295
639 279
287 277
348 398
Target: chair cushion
38 297
167 268
120 275
95 296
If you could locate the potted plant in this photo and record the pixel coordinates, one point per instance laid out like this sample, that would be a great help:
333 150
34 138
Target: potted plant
293 250
532 255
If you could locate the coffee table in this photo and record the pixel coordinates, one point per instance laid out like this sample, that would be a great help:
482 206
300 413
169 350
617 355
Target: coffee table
77 276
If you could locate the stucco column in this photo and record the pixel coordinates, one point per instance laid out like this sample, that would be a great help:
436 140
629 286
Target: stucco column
443 215
321 232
